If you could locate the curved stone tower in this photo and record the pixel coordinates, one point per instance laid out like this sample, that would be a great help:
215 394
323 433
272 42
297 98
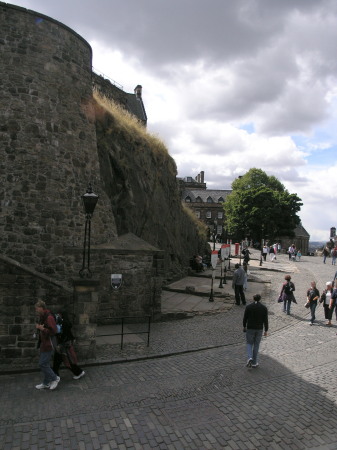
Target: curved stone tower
47 141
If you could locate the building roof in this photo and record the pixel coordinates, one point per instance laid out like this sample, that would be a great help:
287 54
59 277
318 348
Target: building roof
135 105
301 231
204 194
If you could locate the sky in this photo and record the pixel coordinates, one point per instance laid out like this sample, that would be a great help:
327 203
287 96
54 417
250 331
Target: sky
227 85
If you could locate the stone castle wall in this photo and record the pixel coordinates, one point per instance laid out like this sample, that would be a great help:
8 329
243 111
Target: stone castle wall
48 141
52 145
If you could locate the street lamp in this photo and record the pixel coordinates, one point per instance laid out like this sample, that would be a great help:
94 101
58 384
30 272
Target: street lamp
215 230
262 244
89 203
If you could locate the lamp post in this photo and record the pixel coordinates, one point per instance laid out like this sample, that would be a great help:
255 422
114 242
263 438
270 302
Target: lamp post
230 251
215 229
262 244
224 276
89 203
220 284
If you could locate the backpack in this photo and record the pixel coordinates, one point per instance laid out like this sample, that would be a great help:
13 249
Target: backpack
288 289
59 323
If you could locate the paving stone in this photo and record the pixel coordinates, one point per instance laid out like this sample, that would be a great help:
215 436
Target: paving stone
204 398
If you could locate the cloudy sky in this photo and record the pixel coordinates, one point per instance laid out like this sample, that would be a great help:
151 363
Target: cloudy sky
227 84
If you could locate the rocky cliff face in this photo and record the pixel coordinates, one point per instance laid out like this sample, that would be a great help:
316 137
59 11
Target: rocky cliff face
139 177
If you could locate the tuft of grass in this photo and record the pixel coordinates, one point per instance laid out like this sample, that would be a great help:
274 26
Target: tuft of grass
130 125
202 229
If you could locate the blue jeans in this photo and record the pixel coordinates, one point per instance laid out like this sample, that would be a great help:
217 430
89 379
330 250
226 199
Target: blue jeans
253 339
286 305
44 364
312 310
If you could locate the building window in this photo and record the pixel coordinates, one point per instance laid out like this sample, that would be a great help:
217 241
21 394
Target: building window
188 199
208 214
198 200
220 200
209 200
220 214
197 214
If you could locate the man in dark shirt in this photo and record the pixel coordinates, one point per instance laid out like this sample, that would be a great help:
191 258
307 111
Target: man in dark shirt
254 320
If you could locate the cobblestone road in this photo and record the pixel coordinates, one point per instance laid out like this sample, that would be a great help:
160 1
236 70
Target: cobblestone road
204 398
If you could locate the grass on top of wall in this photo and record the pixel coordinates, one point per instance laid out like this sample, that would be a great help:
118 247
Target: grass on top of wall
202 229
131 126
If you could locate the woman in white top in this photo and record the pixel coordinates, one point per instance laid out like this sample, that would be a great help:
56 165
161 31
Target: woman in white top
328 303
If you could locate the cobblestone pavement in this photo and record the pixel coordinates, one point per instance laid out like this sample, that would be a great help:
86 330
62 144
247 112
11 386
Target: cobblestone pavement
193 391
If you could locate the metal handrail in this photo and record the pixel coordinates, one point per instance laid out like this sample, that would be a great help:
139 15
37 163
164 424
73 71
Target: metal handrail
98 72
122 334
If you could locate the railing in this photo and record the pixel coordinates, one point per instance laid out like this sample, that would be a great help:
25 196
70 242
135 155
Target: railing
98 72
123 333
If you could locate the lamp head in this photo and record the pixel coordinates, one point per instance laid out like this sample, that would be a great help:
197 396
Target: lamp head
90 200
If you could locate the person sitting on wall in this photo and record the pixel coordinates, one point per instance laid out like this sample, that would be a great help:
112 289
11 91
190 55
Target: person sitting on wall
199 262
196 263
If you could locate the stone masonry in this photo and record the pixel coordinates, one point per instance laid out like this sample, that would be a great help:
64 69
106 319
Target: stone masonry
49 156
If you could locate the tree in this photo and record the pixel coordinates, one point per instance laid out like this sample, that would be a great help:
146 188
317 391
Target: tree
260 207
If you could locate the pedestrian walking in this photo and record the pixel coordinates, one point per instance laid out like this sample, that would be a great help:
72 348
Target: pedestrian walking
246 256
325 254
334 256
291 251
46 328
65 350
312 298
272 253
255 318
245 268
328 298
238 282
264 252
287 294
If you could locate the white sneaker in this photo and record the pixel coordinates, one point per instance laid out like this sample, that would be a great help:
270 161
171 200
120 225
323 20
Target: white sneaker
249 363
255 365
77 377
42 386
53 384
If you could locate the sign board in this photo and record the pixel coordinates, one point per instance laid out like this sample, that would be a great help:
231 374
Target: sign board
214 258
116 281
225 251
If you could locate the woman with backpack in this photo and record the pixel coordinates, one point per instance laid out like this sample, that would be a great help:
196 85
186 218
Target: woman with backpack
287 294
65 351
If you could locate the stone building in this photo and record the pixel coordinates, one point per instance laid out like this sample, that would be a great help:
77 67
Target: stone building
207 204
133 103
300 239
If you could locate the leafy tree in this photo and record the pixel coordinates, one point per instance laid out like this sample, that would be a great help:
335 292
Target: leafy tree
260 207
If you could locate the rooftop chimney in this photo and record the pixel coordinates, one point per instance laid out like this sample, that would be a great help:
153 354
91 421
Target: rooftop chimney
202 176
